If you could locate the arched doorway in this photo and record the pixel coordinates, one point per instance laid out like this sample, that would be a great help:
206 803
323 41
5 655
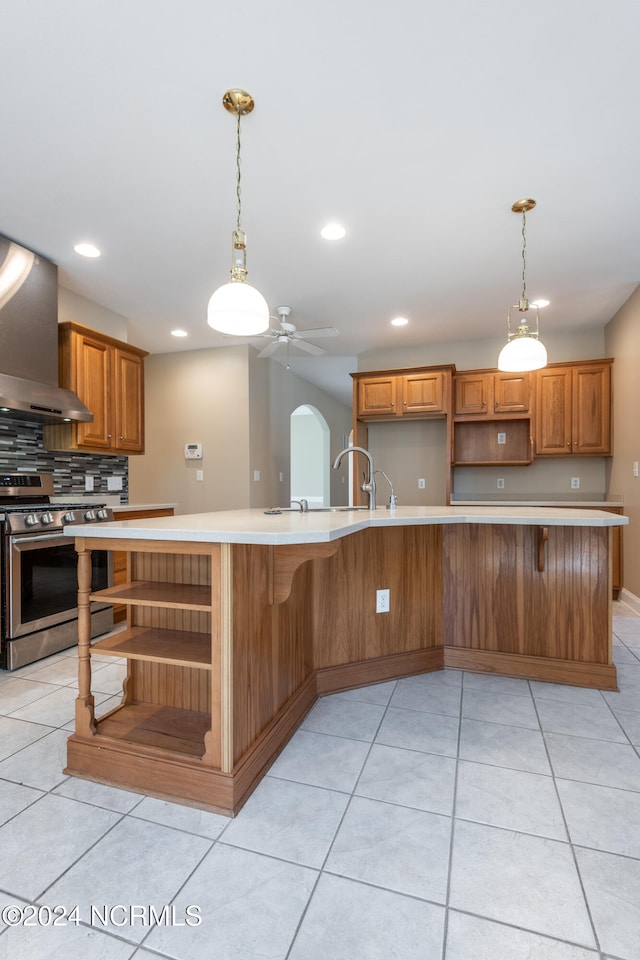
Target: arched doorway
309 452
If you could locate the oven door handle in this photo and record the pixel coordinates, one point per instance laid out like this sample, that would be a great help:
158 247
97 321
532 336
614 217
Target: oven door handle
43 538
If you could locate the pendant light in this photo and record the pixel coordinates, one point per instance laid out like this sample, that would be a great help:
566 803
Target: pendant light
237 308
524 350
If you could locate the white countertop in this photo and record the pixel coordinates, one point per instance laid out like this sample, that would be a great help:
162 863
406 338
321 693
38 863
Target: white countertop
255 526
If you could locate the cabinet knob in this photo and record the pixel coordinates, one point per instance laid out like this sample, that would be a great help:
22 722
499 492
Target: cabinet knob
120 438
497 403
108 436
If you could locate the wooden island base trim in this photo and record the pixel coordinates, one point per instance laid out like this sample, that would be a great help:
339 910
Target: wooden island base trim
599 675
347 676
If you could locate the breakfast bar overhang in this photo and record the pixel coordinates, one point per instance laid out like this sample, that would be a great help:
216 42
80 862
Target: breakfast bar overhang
237 621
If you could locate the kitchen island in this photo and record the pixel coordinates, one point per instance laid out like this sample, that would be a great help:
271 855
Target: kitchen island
237 621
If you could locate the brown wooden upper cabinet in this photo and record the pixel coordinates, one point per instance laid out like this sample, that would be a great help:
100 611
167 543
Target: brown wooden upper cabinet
108 376
573 409
491 394
415 393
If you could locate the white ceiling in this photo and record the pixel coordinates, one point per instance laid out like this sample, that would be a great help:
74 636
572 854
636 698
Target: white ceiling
415 123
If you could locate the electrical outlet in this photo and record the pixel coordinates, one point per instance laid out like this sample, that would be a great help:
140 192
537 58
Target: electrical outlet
88 484
199 474
421 483
502 438
256 475
281 476
635 468
500 483
575 483
382 601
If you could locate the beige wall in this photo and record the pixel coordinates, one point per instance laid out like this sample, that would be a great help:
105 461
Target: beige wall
238 407
72 306
286 392
622 339
199 396
477 354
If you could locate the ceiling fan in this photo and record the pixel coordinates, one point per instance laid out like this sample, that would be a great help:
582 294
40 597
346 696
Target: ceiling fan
289 336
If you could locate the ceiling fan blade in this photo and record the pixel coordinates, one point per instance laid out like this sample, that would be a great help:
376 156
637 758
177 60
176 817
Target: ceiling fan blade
307 347
270 349
317 332
254 336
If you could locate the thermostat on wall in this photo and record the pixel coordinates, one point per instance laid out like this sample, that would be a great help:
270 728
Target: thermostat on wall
193 451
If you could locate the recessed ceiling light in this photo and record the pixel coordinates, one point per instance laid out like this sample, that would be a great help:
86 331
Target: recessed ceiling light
399 322
333 231
87 250
540 303
179 333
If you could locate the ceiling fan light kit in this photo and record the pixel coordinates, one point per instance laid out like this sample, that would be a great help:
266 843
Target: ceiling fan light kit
523 350
237 308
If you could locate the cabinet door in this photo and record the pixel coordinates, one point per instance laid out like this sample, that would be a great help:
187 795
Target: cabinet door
423 393
553 412
129 402
591 421
377 396
511 392
93 367
473 392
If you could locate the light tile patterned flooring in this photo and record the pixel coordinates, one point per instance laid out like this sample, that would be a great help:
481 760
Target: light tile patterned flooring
451 816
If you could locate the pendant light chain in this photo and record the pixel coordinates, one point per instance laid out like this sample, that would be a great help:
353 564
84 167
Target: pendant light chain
524 256
238 174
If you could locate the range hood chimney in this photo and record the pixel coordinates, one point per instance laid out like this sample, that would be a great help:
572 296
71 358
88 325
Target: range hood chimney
29 340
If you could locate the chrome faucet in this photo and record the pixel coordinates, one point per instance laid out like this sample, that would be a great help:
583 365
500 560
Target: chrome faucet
303 503
369 483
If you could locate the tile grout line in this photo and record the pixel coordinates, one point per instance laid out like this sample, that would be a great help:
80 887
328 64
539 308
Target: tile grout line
321 870
571 845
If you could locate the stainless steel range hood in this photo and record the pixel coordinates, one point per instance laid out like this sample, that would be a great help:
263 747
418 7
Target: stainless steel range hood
29 340
31 400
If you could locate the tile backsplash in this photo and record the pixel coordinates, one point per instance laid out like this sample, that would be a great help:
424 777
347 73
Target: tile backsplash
22 451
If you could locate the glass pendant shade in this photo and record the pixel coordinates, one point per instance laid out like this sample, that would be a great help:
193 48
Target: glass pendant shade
522 353
238 309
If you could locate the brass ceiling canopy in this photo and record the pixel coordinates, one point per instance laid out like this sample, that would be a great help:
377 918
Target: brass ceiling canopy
523 206
238 101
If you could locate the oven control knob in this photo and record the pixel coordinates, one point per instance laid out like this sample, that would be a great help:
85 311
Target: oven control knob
89 515
102 515
30 520
46 519
69 517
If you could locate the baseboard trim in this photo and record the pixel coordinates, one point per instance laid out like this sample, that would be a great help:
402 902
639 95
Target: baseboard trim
347 676
630 600
599 675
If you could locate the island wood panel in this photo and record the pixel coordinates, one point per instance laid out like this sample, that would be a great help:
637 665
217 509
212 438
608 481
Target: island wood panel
272 646
404 560
496 600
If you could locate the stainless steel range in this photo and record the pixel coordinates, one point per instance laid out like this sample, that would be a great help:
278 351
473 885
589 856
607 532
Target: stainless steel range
38 570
